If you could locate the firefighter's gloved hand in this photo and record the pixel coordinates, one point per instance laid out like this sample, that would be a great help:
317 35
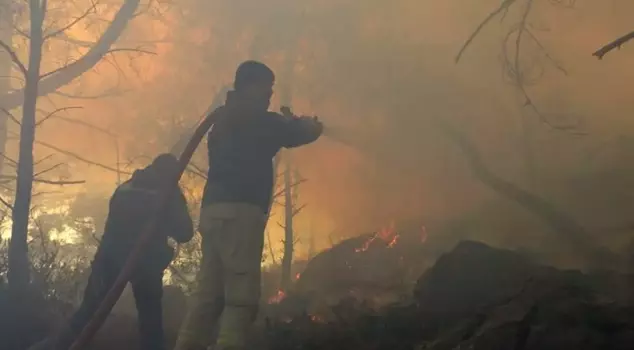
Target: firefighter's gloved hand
314 123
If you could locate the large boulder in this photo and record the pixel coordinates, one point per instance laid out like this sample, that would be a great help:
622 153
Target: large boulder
478 297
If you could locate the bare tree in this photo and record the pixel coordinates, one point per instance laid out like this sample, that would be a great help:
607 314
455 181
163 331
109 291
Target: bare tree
38 84
291 210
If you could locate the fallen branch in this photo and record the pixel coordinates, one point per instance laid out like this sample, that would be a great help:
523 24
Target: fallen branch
616 44
559 221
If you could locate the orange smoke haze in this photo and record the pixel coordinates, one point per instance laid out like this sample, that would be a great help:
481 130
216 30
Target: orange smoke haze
375 72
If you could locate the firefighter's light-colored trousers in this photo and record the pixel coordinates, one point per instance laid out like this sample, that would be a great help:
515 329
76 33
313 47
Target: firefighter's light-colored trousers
228 284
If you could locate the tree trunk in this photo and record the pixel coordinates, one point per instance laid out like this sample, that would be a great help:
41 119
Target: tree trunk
6 35
72 71
289 242
311 241
18 250
562 223
289 239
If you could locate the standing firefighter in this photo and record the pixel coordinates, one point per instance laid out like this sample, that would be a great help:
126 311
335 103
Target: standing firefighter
132 205
242 143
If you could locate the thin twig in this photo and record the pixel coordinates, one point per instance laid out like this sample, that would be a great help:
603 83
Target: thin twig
14 57
72 23
64 67
503 6
39 173
109 93
80 158
11 116
7 204
51 114
59 182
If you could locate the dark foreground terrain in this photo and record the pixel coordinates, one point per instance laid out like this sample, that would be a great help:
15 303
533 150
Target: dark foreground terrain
473 297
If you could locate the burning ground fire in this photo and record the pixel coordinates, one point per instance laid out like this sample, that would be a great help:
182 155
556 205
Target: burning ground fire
387 234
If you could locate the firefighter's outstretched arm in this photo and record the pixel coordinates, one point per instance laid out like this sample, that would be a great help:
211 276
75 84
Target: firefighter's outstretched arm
297 131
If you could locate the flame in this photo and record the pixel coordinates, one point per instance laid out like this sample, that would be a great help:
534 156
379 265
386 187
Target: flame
366 245
387 234
277 298
297 276
393 242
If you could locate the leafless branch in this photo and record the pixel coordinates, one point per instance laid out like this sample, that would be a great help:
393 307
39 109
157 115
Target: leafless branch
39 173
43 160
14 57
295 184
109 93
9 178
85 43
11 116
503 7
86 124
59 182
616 44
193 170
111 51
72 23
52 114
546 53
297 210
7 204
271 250
198 168
22 32
80 158
11 161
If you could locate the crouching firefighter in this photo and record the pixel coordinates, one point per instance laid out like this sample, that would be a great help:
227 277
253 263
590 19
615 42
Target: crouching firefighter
241 145
132 206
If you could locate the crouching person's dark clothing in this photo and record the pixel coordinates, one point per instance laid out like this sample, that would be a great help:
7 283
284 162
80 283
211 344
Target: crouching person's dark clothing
131 207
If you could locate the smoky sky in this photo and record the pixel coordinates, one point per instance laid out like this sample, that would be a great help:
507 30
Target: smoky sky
378 73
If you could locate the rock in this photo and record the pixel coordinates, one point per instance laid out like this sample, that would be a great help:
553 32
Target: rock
483 298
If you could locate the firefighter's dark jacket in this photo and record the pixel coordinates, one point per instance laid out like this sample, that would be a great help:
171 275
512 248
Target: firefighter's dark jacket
131 207
241 148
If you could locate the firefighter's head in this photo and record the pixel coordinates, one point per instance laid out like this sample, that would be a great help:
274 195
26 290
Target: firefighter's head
165 167
253 84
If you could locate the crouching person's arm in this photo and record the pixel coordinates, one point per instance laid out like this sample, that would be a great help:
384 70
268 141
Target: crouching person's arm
180 225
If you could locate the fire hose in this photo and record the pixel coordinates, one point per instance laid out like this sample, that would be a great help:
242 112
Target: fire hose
113 295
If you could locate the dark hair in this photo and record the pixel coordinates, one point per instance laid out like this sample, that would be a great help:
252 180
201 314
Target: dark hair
250 72
165 163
